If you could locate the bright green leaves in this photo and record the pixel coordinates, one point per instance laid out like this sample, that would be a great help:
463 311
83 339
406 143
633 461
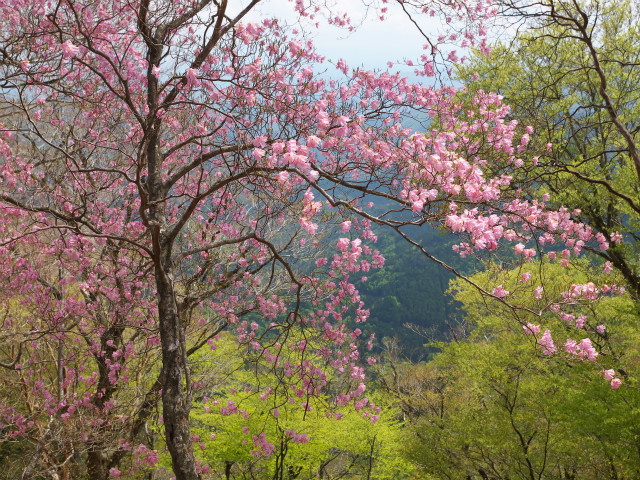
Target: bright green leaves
492 404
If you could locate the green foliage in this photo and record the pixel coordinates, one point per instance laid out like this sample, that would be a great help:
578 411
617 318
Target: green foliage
233 425
493 406
549 78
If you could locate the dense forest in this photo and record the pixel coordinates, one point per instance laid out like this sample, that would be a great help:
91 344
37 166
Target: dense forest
411 291
220 259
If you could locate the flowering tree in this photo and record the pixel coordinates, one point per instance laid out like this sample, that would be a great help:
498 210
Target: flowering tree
566 76
163 167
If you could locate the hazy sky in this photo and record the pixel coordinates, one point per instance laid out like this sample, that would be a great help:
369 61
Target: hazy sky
372 44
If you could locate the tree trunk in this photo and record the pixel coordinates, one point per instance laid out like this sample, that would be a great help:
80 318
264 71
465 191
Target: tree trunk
175 402
97 464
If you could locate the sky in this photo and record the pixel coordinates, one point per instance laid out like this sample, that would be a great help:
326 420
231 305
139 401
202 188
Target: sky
372 44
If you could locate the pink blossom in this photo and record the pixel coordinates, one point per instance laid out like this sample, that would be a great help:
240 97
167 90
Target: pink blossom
278 147
313 141
500 292
295 47
192 77
346 226
69 50
601 329
308 226
571 346
343 244
615 383
283 177
584 349
260 142
609 374
546 342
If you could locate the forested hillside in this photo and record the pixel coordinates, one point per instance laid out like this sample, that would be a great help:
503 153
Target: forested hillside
410 289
